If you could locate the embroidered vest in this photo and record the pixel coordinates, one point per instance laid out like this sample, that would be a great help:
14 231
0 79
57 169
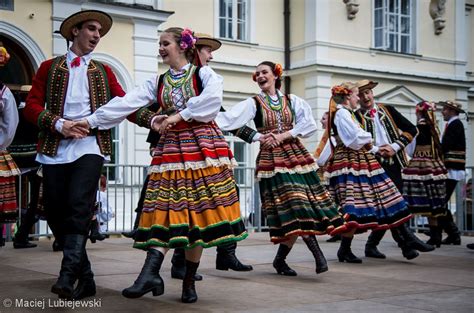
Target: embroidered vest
99 93
391 128
267 119
190 86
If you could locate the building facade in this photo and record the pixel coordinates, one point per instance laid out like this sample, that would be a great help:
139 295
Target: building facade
415 50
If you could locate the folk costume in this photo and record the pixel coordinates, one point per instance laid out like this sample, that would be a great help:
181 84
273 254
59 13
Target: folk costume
8 168
424 178
388 127
293 200
191 197
453 143
71 87
366 195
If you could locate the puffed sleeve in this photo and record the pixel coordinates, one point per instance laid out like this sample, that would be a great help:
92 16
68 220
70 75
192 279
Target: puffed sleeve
8 118
204 108
350 132
239 115
305 125
117 109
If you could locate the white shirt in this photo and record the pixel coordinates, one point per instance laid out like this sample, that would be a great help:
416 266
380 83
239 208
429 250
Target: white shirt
202 108
455 174
8 118
326 153
243 112
381 136
349 131
76 107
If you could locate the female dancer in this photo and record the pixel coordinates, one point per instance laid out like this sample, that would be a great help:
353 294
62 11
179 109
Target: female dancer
292 197
366 195
191 200
424 179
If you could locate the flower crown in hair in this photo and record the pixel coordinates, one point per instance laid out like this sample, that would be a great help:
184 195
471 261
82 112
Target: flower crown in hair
187 39
277 71
426 106
340 90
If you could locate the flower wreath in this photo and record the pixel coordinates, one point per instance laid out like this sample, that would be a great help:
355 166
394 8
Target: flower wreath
340 90
187 39
277 71
426 106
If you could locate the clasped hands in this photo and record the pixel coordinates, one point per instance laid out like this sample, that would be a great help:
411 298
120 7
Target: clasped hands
386 151
272 140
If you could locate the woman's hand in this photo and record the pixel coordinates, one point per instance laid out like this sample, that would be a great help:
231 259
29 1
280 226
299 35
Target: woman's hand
169 122
267 141
157 121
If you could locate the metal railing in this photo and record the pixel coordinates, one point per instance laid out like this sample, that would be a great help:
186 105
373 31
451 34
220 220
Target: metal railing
124 183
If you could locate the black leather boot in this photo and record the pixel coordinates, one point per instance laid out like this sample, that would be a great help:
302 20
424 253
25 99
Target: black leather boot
95 232
21 237
178 267
131 234
189 294
279 262
447 224
412 240
334 238
149 278
345 253
226 259
435 236
58 244
373 241
74 247
313 246
407 251
86 284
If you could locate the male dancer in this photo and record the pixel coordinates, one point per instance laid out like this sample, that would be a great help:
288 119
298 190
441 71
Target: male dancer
392 133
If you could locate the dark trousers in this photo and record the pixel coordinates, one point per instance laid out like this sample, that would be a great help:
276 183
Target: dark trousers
29 218
447 222
69 194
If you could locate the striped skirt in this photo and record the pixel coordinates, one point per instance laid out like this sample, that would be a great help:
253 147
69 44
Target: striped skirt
424 183
366 195
8 205
293 199
191 198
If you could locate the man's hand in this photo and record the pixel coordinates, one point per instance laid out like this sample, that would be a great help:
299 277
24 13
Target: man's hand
267 141
169 122
157 122
75 130
386 151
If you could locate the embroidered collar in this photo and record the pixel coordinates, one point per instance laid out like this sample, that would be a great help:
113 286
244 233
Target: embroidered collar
181 70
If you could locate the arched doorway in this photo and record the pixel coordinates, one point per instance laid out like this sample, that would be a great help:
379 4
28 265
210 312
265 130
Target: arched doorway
19 70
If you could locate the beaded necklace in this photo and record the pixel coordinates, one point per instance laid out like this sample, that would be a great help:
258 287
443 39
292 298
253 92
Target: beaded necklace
275 105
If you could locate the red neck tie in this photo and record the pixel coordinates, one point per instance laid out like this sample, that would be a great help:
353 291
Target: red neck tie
372 112
76 62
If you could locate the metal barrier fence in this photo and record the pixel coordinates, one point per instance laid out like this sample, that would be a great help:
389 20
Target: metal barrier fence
124 183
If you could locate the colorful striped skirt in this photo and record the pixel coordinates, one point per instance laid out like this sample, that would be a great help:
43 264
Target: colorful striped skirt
191 198
366 195
8 204
293 199
424 183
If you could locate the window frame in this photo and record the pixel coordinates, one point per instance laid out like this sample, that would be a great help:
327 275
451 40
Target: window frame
235 21
397 32
9 5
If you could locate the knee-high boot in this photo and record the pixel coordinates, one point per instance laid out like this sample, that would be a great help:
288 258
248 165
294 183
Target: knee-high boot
279 262
407 251
73 252
435 236
189 294
373 241
313 246
149 278
86 284
131 234
95 232
178 267
412 240
226 259
345 253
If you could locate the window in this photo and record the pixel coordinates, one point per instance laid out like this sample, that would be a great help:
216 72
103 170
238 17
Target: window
6 5
233 19
394 25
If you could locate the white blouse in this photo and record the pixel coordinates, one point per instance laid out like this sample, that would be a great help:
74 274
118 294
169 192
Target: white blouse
8 118
202 108
349 131
243 112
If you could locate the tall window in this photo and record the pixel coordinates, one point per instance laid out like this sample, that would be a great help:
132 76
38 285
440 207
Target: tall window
233 19
394 25
6 5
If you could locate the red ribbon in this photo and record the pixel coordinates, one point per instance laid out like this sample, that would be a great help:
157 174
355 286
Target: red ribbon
372 112
76 62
